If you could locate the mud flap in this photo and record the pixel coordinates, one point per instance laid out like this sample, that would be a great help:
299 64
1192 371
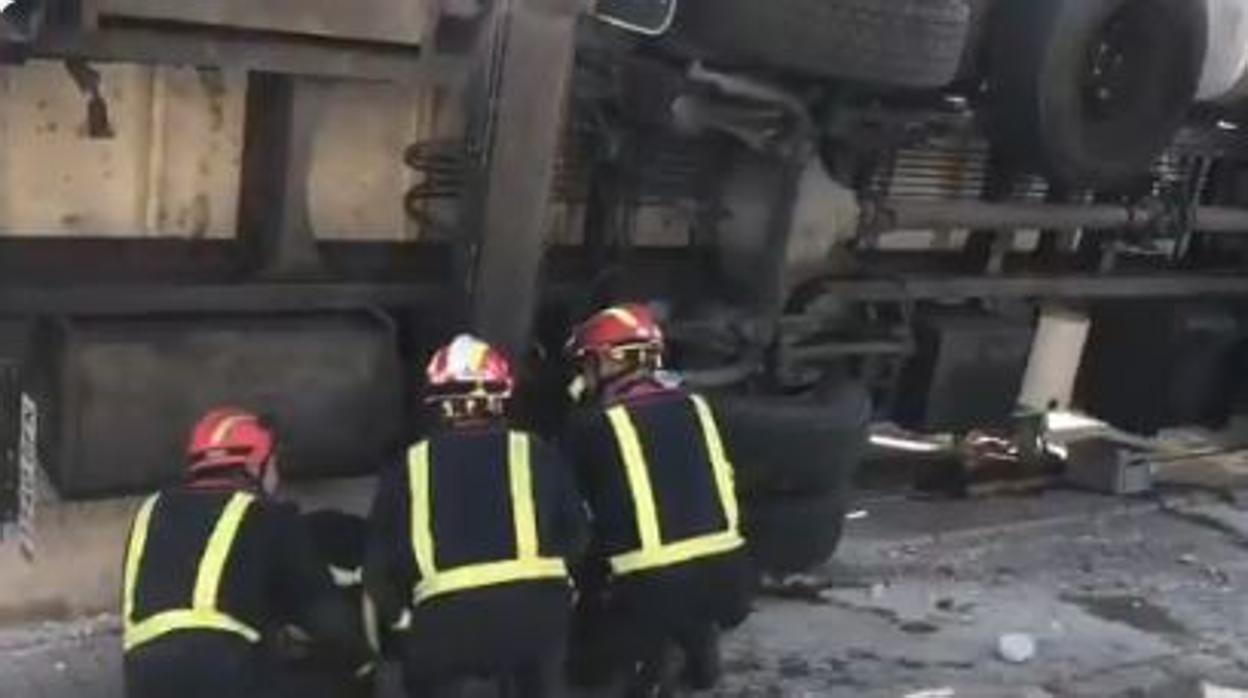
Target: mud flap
649 17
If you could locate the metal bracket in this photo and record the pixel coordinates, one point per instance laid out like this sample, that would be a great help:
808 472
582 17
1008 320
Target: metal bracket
525 68
283 114
88 81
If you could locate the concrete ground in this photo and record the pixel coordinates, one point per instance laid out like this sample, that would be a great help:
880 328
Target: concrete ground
1132 598
1122 597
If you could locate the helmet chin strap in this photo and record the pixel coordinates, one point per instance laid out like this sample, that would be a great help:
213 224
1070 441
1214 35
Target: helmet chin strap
634 365
227 475
620 383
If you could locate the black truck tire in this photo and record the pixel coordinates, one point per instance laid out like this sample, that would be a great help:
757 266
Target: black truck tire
1089 92
789 535
899 43
785 446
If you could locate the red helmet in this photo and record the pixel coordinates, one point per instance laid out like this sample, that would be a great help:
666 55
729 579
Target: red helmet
468 367
616 330
229 437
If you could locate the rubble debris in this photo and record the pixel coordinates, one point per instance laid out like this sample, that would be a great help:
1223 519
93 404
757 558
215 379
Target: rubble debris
1209 690
1016 648
796 587
862 654
792 666
1107 466
918 627
877 591
987 465
1217 576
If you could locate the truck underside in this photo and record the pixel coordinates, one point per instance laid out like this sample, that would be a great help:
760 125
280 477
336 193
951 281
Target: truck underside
317 198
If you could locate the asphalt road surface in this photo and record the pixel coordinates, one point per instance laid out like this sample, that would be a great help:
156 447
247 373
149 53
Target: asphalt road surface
1121 597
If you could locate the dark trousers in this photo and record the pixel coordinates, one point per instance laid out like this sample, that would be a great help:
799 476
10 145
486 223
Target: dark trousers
215 665
514 635
698 646
541 678
630 626
197 665
313 679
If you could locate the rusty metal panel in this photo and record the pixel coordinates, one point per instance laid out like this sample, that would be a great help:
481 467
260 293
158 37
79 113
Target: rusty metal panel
389 21
193 159
57 181
170 169
358 178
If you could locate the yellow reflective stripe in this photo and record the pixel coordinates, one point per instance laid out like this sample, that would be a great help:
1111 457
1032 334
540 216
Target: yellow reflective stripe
203 615
490 574
638 478
217 551
653 552
523 514
134 556
676 553
527 565
422 534
189 619
724 480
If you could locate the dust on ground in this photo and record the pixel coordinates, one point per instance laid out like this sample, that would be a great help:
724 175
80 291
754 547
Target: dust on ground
1134 598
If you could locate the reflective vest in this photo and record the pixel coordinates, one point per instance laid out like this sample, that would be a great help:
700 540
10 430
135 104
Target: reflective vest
203 613
655 550
527 565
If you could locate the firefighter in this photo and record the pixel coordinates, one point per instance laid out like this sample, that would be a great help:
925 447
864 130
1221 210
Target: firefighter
469 539
340 538
667 567
214 567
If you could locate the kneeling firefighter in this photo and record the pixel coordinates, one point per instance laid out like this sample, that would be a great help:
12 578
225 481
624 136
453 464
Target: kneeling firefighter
667 567
215 566
470 536
340 538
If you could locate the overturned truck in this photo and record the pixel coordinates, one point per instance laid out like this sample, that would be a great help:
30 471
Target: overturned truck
846 210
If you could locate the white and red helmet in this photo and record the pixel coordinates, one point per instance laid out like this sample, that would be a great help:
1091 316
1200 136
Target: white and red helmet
617 330
466 368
